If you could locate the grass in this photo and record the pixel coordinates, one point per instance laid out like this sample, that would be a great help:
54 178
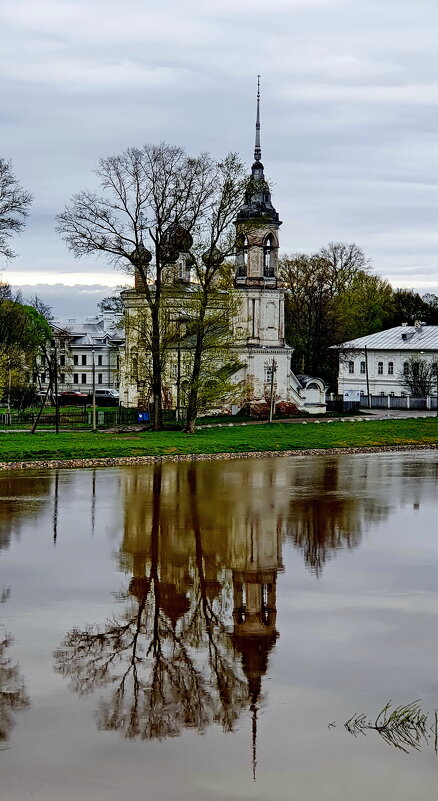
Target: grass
16 446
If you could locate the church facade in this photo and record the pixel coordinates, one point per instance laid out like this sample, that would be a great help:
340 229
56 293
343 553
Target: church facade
265 376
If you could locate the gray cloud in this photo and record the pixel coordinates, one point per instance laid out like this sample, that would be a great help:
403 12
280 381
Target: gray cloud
78 301
348 116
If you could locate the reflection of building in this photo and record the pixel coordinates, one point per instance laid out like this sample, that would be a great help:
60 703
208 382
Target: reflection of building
217 547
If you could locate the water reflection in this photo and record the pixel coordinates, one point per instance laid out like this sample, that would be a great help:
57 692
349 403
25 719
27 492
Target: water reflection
14 488
191 645
203 548
13 696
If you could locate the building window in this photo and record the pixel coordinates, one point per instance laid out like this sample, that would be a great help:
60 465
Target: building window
99 378
62 378
99 360
268 262
62 360
242 257
84 360
43 378
351 367
405 368
34 378
382 394
83 378
380 368
362 368
75 359
390 368
75 378
269 373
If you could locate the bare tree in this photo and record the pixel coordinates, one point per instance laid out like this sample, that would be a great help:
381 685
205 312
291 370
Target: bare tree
215 308
14 207
419 376
150 201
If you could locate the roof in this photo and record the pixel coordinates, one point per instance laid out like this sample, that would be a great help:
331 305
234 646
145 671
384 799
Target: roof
402 337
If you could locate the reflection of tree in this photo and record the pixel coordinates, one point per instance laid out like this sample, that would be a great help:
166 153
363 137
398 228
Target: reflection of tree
168 659
13 695
331 510
14 489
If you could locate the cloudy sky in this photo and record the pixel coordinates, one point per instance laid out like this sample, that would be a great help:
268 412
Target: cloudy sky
349 119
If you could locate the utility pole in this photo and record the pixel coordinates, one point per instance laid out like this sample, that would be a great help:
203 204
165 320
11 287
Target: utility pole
94 392
271 405
367 376
55 377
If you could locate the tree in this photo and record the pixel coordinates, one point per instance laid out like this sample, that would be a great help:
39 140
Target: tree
408 306
112 303
24 334
14 207
330 297
363 307
152 197
419 376
214 363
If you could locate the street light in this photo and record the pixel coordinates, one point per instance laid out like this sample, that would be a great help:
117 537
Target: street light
271 404
55 380
94 392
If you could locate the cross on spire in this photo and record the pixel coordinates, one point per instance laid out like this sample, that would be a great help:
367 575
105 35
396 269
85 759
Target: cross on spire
257 148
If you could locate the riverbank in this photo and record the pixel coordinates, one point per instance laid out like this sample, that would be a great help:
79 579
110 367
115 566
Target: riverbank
44 450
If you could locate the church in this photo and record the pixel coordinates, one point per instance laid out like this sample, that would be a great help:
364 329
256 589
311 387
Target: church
265 370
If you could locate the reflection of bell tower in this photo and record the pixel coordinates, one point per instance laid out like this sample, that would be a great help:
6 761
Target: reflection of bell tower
255 615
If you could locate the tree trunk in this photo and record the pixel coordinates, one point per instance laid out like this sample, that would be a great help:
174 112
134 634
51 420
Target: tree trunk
157 413
192 406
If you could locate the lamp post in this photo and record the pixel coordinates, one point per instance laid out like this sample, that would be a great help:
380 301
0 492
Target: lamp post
55 381
94 392
271 404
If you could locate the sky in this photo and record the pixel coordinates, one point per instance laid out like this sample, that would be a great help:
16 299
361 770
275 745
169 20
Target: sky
348 118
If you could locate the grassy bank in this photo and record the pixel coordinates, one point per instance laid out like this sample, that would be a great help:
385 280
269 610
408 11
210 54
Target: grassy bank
16 447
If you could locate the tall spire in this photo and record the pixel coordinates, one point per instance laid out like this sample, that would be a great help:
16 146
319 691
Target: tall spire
257 148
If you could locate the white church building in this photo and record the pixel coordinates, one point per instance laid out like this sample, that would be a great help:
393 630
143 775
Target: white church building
259 324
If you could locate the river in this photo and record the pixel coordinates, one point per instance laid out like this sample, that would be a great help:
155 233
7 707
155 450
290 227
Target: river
202 631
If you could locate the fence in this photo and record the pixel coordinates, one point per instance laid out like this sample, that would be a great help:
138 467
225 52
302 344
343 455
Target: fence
71 418
337 403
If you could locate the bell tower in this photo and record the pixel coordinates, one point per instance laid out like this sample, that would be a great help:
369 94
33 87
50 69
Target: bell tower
257 225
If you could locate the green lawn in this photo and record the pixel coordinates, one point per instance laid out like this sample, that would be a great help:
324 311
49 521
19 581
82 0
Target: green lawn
263 437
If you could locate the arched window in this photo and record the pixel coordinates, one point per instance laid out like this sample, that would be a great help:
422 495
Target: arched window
351 367
362 368
405 368
268 261
379 368
242 256
390 368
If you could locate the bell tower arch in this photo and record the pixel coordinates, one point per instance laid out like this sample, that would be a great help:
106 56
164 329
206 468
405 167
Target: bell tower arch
257 226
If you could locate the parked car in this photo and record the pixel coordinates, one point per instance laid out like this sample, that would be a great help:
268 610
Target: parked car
73 398
107 397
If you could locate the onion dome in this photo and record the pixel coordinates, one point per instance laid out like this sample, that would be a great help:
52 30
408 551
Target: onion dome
212 256
141 256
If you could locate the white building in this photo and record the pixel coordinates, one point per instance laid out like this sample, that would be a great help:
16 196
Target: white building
376 363
259 324
76 343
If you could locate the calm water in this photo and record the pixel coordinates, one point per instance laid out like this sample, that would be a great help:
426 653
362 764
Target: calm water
188 632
